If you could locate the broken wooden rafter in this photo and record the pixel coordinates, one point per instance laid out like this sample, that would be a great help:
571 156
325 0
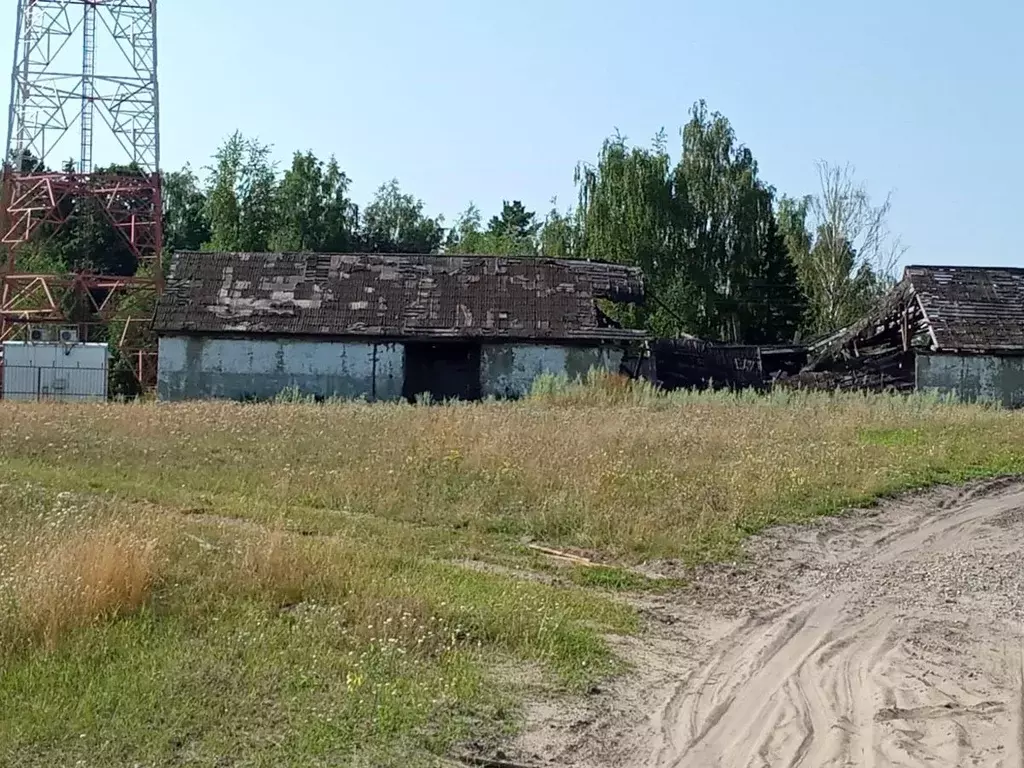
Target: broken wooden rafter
560 555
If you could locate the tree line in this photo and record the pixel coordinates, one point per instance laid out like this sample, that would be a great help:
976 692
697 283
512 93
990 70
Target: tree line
724 255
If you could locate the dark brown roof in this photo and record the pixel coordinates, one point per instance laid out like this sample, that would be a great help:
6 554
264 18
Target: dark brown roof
971 309
393 296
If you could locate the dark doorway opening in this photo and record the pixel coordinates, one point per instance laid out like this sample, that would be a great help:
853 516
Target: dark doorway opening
447 370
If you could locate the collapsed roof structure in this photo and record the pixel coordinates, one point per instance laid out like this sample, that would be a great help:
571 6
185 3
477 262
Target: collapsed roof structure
933 315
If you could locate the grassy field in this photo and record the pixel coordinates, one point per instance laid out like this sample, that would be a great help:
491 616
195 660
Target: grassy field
226 584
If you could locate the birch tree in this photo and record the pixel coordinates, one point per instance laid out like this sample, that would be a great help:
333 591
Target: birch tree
313 210
703 231
241 199
845 254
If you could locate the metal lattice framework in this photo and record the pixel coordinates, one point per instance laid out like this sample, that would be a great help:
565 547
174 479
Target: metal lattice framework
76 61
49 97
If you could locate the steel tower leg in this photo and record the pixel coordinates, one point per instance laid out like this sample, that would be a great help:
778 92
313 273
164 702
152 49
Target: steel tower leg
108 99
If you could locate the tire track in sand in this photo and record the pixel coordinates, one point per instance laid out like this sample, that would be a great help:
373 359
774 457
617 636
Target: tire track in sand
865 667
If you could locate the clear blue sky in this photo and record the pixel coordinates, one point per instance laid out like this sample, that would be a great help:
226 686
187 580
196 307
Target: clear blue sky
464 100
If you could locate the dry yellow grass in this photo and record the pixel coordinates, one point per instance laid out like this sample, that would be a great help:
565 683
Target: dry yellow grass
683 476
89 575
272 565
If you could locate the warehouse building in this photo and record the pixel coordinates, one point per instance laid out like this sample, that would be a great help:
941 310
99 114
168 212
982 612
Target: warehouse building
382 327
958 331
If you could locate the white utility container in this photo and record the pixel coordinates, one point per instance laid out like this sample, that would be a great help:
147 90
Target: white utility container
55 370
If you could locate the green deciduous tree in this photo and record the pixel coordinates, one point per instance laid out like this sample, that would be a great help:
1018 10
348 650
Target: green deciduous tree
241 198
513 232
186 219
466 235
314 212
630 214
791 213
703 231
559 235
394 222
842 247
746 284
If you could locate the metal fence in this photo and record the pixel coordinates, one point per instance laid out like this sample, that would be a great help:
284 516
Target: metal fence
38 383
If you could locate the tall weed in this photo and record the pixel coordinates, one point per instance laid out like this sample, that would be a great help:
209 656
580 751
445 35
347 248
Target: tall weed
80 578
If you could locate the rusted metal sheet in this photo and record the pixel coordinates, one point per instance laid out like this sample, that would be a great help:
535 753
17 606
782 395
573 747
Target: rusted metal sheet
394 296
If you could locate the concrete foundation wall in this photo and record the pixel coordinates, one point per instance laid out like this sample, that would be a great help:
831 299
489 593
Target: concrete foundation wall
203 368
508 370
199 367
973 378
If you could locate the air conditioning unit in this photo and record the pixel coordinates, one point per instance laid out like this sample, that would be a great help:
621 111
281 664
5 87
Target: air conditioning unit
40 333
68 336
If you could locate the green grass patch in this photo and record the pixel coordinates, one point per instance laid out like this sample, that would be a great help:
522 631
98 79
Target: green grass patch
619 579
281 688
284 584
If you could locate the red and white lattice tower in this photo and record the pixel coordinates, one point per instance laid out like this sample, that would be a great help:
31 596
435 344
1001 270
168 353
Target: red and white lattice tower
84 81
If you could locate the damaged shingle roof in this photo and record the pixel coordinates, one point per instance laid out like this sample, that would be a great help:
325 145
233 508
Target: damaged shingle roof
971 309
393 296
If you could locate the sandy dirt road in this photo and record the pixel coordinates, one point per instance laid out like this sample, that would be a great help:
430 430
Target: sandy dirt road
891 637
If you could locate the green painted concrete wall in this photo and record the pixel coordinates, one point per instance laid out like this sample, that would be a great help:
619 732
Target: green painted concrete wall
973 378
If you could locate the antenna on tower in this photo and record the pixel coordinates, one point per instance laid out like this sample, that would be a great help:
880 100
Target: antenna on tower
85 70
